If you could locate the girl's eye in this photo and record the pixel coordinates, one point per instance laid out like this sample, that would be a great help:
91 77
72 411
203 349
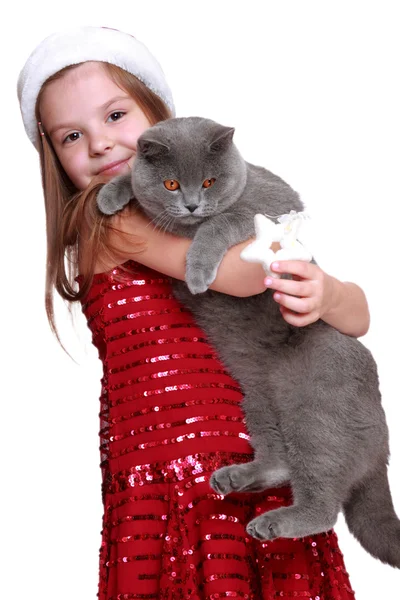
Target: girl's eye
208 182
172 184
72 137
115 116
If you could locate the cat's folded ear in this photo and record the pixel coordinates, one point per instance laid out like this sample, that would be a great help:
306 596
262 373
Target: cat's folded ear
149 147
221 138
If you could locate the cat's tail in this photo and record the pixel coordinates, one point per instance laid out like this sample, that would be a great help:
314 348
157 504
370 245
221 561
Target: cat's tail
371 518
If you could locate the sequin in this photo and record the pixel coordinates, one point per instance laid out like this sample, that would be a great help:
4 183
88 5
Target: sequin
169 416
170 373
168 389
124 301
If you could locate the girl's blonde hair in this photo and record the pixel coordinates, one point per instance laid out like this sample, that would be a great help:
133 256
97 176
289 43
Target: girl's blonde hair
72 215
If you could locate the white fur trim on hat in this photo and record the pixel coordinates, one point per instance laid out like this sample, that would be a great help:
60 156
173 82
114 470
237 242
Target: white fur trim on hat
79 45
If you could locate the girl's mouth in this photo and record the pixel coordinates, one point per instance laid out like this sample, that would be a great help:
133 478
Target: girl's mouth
114 167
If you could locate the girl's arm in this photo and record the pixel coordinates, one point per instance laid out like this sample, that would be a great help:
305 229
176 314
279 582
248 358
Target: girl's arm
312 294
315 295
349 312
166 253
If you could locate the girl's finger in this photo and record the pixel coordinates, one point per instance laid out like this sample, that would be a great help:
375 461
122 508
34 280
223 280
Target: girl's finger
303 269
301 288
298 305
296 319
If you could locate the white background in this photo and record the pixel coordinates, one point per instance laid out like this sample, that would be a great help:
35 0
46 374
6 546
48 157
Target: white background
312 89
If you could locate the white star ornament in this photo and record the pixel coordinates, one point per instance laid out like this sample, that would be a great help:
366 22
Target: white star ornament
285 232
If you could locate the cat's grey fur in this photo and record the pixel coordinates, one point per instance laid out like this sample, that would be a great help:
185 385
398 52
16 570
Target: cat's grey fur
311 395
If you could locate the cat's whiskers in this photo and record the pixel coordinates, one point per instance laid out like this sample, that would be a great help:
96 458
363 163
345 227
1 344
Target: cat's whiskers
158 219
164 220
168 224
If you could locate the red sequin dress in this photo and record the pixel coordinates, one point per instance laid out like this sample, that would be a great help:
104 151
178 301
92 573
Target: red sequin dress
170 415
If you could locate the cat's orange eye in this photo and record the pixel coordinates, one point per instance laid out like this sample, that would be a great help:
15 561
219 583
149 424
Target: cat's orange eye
172 184
208 182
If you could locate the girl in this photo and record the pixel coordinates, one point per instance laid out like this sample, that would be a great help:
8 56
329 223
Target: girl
170 413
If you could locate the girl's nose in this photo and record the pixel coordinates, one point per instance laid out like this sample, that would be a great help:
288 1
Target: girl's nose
100 144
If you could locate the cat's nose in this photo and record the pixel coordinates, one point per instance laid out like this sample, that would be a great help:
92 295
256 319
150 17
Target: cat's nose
191 207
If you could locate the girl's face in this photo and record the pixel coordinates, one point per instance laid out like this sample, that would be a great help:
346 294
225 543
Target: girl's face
93 124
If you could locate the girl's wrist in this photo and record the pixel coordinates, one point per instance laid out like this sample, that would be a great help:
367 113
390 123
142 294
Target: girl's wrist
348 308
335 294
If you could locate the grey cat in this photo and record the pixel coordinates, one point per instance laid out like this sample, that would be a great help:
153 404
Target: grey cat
311 395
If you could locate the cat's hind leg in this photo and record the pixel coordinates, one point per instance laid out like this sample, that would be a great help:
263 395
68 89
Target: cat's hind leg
269 468
295 521
254 476
318 479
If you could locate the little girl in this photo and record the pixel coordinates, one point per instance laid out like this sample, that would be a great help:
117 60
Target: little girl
170 413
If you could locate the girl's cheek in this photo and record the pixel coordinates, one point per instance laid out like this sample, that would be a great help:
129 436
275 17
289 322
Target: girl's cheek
131 137
135 130
77 171
79 163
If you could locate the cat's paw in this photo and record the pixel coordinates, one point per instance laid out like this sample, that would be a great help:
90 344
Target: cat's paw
227 479
264 528
110 200
198 278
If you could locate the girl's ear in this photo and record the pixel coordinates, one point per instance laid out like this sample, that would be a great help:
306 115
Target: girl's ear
150 148
222 138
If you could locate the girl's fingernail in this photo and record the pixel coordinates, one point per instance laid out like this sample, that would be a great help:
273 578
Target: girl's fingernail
275 266
267 281
277 296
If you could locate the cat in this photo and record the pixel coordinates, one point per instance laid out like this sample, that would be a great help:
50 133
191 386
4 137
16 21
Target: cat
312 403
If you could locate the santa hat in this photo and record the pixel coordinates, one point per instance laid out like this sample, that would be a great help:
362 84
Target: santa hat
78 45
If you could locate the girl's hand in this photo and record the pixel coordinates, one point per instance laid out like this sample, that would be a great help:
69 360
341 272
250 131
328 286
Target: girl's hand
305 298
